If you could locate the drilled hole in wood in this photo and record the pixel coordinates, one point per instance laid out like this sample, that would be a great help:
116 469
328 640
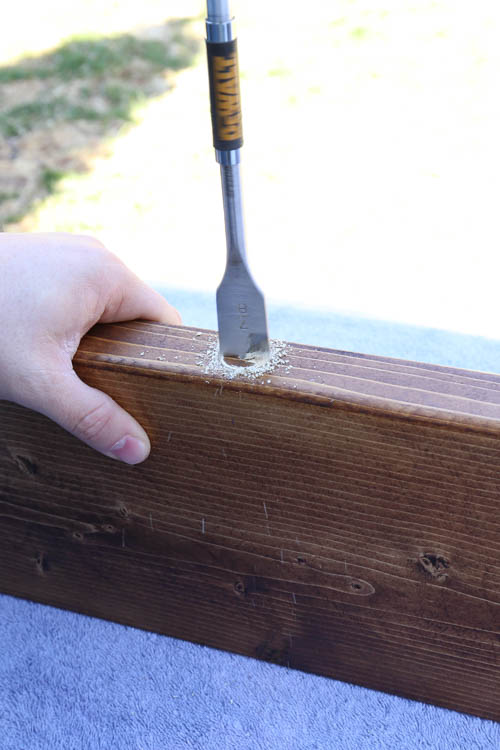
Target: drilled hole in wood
301 561
239 587
78 535
123 512
237 362
109 528
355 585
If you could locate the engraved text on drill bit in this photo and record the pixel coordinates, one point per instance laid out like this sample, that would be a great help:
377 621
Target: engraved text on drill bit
243 311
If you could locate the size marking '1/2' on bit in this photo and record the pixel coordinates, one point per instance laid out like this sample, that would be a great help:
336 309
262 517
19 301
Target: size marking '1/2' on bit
243 311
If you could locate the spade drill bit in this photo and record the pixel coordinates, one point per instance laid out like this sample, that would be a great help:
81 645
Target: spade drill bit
241 310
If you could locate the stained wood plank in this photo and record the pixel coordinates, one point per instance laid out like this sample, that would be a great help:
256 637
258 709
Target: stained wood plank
340 515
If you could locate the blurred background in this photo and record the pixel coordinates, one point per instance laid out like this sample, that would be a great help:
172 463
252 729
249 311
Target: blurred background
370 166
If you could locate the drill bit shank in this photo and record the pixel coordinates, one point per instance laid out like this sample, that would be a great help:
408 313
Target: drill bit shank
241 308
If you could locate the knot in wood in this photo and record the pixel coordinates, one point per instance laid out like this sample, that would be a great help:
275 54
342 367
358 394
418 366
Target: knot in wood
434 565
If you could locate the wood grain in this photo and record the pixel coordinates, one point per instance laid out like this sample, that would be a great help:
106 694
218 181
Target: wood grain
342 519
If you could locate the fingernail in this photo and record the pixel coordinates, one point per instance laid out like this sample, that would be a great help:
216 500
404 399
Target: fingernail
130 450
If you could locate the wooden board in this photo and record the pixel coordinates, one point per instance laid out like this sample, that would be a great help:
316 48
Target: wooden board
339 516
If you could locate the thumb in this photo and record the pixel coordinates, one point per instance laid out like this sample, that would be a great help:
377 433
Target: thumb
93 417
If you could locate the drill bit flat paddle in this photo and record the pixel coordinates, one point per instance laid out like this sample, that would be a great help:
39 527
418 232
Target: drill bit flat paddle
241 309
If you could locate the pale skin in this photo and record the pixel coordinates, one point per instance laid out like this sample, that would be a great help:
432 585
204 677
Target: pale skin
53 289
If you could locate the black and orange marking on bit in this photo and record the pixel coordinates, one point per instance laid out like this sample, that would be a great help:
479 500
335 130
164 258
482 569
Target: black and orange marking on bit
225 100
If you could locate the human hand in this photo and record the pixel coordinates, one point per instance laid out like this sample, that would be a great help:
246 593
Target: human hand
53 289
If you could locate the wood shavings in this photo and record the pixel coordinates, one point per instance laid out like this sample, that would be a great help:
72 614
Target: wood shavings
213 363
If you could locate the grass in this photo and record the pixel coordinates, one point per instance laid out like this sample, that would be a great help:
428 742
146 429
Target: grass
111 67
83 57
4 196
50 178
25 117
119 100
100 81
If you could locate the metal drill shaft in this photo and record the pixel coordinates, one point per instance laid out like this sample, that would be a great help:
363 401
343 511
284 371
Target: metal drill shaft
241 309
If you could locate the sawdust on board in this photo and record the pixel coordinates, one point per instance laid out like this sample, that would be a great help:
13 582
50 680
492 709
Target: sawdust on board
213 362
